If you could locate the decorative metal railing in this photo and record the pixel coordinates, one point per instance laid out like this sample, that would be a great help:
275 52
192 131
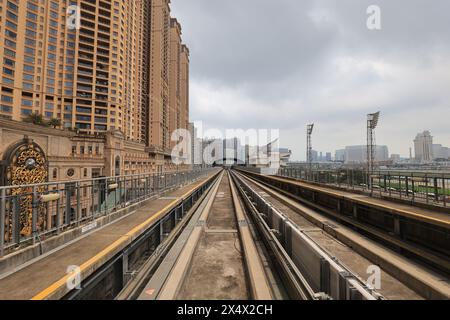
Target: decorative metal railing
30 213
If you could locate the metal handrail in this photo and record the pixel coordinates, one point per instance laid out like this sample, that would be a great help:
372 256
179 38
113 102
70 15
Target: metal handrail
102 178
39 211
413 186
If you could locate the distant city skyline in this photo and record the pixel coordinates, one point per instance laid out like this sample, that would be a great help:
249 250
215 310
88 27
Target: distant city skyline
423 148
358 153
317 62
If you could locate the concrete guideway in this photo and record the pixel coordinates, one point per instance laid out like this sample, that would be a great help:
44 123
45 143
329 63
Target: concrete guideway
420 233
402 278
227 236
358 264
46 278
219 256
218 260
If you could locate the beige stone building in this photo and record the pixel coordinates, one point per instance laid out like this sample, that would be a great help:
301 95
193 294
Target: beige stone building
184 94
175 78
113 72
159 80
72 156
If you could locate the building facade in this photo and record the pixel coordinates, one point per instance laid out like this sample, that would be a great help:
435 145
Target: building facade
423 146
440 152
340 155
184 86
175 79
285 156
71 63
159 77
358 154
101 68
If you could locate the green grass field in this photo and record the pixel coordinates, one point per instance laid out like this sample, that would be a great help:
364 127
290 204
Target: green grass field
417 188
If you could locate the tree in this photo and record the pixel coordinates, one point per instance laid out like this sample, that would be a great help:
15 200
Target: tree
35 118
55 123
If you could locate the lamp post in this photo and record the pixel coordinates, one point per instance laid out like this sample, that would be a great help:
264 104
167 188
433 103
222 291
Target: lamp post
372 123
309 159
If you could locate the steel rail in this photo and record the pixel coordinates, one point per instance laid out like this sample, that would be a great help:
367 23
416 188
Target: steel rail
296 285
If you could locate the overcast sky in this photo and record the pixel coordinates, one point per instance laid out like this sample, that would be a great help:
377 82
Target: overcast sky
281 64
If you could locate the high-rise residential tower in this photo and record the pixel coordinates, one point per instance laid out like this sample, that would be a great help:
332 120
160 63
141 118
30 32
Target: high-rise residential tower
40 56
159 76
184 94
97 66
175 79
77 61
423 145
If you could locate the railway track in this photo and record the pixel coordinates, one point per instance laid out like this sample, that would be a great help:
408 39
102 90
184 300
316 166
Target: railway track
401 278
216 256
227 250
420 235
235 236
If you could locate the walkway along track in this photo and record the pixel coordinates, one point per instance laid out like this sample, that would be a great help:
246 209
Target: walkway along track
426 282
215 257
219 255
109 257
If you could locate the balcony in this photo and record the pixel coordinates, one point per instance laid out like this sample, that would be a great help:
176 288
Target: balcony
85 73
102 83
83 87
84 95
101 90
101 97
85 64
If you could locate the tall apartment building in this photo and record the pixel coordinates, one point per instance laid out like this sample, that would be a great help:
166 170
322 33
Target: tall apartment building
423 145
38 59
82 74
109 72
175 79
159 77
184 94
136 68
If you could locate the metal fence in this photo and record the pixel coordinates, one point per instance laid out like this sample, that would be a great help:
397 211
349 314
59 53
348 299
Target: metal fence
36 212
414 186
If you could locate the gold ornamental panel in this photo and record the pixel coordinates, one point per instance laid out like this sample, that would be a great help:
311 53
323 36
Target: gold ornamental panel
26 165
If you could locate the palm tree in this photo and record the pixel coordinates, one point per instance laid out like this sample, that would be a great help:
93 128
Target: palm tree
54 122
35 118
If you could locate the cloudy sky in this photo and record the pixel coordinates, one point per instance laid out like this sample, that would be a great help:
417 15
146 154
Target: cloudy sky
281 64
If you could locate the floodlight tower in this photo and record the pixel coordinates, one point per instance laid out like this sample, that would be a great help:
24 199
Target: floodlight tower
309 158
372 123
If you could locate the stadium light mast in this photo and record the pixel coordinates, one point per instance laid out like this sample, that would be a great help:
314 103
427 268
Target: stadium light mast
372 123
309 159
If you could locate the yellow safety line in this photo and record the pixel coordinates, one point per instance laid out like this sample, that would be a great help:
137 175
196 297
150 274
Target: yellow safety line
58 284
406 213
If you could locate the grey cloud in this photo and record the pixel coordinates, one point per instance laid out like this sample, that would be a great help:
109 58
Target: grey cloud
276 64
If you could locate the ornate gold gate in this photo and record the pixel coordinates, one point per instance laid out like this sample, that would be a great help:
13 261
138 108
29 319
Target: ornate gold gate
25 164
